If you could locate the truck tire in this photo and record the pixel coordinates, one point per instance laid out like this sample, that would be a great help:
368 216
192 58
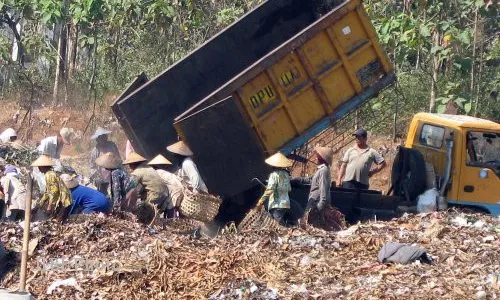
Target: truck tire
409 176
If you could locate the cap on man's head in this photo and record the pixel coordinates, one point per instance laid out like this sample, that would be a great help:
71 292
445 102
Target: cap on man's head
360 133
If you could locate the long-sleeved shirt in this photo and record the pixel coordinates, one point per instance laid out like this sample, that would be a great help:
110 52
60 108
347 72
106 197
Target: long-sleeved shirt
153 190
120 185
189 172
174 184
321 183
87 200
100 149
48 146
15 191
278 187
56 194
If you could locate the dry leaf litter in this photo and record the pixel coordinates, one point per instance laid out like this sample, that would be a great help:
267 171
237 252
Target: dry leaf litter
165 261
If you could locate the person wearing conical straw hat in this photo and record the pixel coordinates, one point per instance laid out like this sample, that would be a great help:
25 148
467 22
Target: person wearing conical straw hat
278 187
319 194
174 183
100 176
122 194
85 200
319 211
56 199
188 169
150 187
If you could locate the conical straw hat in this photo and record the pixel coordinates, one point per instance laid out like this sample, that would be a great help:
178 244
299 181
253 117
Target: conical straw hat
159 160
100 131
69 180
43 161
325 153
108 161
279 160
180 148
133 158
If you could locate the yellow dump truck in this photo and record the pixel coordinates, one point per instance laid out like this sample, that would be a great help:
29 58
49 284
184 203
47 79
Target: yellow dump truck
465 154
280 102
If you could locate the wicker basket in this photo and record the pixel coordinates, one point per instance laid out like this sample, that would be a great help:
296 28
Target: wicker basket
258 219
199 206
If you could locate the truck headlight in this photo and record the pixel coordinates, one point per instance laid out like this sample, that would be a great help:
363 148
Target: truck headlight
483 174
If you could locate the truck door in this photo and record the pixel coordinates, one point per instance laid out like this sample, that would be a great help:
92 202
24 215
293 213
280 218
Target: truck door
480 177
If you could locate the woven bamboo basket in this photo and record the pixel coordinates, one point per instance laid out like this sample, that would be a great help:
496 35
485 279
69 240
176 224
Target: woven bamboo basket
258 219
199 206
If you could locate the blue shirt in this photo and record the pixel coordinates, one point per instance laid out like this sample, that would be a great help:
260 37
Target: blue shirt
87 200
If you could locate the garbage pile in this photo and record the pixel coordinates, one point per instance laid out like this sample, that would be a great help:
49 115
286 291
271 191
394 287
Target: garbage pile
18 154
98 257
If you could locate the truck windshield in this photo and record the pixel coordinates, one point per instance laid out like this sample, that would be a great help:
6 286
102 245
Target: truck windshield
483 150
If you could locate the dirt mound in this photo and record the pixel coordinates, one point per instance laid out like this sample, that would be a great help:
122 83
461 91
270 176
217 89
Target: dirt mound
98 257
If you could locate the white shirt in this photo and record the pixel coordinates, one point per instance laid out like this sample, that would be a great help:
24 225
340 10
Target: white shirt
189 172
49 147
15 191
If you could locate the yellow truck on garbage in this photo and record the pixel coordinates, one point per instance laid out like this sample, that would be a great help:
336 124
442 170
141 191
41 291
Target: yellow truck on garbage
464 152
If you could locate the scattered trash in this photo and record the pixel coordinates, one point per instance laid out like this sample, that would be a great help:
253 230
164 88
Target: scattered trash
64 282
393 252
32 246
488 238
479 224
460 221
298 289
348 232
117 258
481 295
426 202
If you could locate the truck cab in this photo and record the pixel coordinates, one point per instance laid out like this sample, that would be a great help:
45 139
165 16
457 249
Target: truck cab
474 179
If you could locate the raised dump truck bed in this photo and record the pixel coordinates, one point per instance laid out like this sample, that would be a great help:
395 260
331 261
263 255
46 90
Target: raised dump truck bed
304 86
146 113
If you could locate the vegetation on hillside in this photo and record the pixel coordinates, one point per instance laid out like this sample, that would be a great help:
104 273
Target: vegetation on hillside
72 52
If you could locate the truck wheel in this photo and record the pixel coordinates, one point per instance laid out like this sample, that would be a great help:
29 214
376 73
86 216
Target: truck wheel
409 176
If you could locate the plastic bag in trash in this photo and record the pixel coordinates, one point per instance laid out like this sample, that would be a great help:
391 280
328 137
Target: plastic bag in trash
427 201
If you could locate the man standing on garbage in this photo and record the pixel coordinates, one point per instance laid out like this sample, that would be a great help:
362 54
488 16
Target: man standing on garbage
188 170
319 194
357 162
56 199
319 211
150 188
100 175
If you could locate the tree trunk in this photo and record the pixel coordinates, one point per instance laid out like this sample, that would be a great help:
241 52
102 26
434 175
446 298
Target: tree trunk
115 52
474 34
61 55
72 49
16 31
435 71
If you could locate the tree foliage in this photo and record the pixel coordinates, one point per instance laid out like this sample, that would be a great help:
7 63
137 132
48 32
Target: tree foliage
446 53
